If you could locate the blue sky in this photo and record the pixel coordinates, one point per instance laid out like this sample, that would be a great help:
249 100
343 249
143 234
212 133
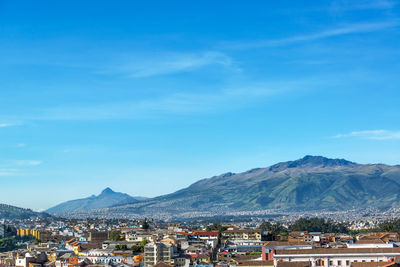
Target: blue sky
149 97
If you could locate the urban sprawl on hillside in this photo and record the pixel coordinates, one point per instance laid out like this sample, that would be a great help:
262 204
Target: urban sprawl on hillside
282 242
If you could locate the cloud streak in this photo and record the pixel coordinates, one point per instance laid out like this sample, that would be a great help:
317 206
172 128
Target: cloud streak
178 103
167 63
4 125
339 31
372 135
362 5
15 167
8 172
28 162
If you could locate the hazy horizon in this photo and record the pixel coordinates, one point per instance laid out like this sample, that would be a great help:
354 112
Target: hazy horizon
147 98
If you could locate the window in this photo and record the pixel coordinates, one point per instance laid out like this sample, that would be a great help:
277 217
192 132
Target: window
320 262
347 262
330 262
339 263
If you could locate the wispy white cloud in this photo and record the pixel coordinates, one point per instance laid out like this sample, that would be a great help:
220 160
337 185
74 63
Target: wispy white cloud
16 167
338 31
166 63
3 125
28 162
237 95
177 103
184 103
372 135
346 5
13 167
8 172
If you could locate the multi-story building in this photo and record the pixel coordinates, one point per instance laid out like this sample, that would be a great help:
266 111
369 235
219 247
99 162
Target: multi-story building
37 234
244 234
299 236
2 230
138 237
334 257
24 260
98 236
211 237
158 252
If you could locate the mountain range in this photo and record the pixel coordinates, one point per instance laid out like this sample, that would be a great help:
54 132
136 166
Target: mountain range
12 212
310 183
107 198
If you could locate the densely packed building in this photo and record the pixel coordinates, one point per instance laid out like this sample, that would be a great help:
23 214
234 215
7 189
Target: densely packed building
101 242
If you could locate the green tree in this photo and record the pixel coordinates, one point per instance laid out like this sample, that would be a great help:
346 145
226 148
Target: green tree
8 244
274 228
121 247
140 247
114 236
136 248
216 227
145 224
390 225
10 231
318 225
143 242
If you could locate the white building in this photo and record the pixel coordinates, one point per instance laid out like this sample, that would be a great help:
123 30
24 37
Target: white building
137 237
105 259
23 261
157 252
371 245
210 237
332 257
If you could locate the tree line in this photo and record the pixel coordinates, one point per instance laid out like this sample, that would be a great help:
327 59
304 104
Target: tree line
327 226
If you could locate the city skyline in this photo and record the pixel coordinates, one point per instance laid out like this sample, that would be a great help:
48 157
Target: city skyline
149 100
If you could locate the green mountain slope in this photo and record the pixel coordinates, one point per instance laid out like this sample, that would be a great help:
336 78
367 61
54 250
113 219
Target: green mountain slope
107 198
310 183
12 212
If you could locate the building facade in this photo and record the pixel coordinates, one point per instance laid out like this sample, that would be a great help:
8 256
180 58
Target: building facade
2 230
330 257
157 252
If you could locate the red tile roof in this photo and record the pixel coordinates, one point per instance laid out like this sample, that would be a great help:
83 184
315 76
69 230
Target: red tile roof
337 251
256 263
294 264
205 233
162 264
243 231
183 233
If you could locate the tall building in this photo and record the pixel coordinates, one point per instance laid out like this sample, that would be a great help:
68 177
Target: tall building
157 252
95 237
2 230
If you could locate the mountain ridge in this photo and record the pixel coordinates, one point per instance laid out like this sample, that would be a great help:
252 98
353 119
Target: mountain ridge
107 198
309 183
13 212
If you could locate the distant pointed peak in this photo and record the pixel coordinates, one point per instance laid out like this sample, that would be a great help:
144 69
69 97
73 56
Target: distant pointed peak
107 191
